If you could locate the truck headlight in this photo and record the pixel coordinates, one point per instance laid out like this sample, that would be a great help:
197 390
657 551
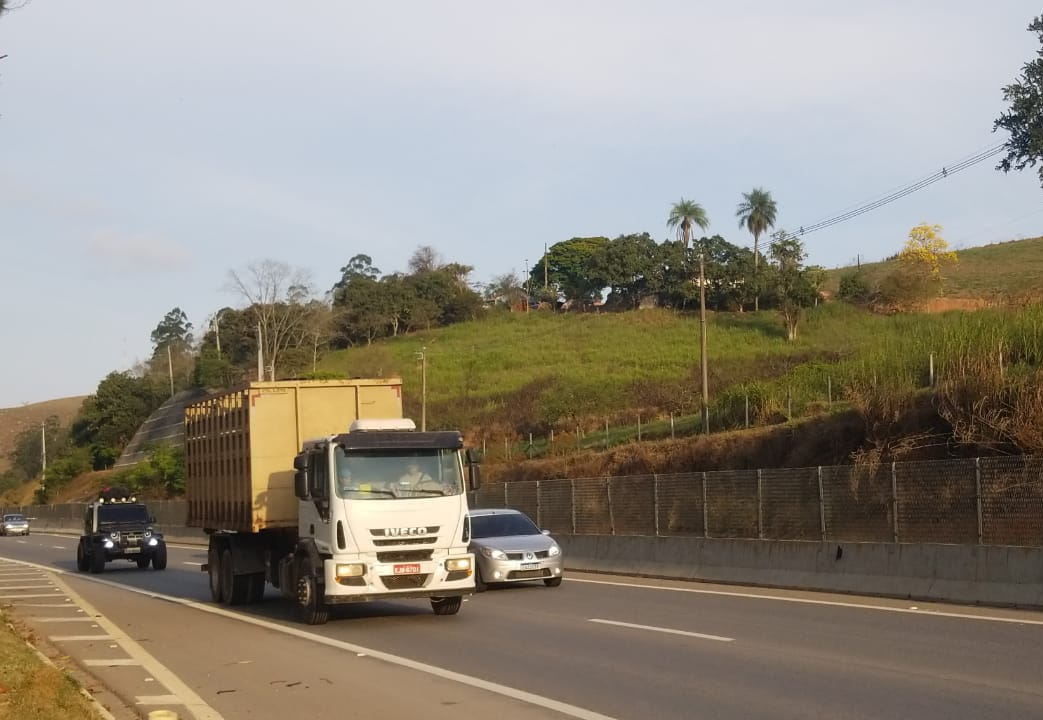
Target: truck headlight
554 550
494 553
350 570
455 564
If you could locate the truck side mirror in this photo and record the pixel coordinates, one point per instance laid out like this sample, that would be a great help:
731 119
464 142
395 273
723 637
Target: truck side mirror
474 471
300 477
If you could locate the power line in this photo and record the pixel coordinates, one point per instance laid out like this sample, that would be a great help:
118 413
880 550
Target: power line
942 174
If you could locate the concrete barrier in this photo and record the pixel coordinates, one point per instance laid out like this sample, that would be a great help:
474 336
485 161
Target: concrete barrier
972 574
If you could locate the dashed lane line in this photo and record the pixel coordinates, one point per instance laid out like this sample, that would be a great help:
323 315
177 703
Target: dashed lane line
654 628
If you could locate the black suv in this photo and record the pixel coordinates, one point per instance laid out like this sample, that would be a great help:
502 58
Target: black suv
116 527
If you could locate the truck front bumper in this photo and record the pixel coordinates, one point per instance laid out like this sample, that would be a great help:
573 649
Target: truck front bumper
448 576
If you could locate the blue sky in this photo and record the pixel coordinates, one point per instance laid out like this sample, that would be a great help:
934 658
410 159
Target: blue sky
147 148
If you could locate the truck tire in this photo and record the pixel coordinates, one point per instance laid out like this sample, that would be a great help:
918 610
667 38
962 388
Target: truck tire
234 588
213 562
447 605
97 559
159 558
311 609
83 561
256 592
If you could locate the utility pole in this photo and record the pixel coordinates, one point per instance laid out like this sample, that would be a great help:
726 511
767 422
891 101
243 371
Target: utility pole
702 343
170 370
422 357
526 284
260 355
544 266
43 454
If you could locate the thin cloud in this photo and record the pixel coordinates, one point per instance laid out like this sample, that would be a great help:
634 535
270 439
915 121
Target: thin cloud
142 251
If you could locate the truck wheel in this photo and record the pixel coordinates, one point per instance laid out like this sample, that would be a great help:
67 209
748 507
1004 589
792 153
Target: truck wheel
83 562
310 608
98 559
447 605
256 592
159 558
213 563
233 587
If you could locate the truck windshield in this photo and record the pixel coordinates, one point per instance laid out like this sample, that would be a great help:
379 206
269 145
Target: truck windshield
388 475
122 514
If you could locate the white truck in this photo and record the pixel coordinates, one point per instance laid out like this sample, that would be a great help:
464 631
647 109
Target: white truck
324 491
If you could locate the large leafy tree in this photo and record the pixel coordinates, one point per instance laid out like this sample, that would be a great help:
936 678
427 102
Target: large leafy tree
1024 119
756 212
627 266
110 417
683 216
568 268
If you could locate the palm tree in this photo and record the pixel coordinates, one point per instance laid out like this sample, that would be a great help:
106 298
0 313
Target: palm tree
757 213
683 215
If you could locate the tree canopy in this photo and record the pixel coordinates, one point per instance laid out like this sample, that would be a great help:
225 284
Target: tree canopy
1024 119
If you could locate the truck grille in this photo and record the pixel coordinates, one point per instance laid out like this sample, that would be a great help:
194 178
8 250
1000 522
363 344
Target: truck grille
404 582
404 556
398 542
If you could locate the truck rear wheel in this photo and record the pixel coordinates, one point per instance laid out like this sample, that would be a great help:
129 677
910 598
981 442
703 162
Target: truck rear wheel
234 587
213 563
447 605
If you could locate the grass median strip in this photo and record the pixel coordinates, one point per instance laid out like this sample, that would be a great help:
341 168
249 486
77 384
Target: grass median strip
33 689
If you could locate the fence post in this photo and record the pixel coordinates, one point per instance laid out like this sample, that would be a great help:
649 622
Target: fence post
829 391
821 505
706 511
655 502
760 505
894 498
539 506
671 426
747 410
611 514
930 370
977 494
506 503
639 428
572 484
606 433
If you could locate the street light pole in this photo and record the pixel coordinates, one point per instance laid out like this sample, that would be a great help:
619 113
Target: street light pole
702 343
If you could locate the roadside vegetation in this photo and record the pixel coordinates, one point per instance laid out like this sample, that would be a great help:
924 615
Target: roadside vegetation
30 688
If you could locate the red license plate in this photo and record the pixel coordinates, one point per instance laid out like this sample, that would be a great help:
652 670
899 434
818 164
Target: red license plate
407 569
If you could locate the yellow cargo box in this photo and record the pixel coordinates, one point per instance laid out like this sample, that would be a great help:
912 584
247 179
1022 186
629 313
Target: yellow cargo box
240 445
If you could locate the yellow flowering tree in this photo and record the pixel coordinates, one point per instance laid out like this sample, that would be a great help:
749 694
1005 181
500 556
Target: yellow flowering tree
927 250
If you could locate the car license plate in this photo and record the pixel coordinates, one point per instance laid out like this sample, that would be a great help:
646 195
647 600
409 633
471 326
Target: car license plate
530 566
407 569
132 550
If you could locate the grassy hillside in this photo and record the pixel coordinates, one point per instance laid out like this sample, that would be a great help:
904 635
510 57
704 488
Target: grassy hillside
14 420
991 272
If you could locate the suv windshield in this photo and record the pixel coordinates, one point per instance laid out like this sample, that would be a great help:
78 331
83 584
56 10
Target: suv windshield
122 514
380 475
486 526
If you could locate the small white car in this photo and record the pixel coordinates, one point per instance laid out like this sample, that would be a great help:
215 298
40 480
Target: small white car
508 548
14 524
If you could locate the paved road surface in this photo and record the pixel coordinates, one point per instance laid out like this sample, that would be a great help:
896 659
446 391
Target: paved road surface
622 648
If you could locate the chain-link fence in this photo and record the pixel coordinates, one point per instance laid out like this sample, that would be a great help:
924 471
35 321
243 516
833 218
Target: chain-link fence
989 501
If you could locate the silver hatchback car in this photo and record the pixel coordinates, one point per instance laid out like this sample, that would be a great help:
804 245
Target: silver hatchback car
14 524
508 547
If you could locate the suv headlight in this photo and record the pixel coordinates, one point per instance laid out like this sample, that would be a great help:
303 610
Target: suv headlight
494 553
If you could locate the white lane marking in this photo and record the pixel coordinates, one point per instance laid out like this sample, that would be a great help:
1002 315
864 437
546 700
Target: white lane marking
671 631
25 587
157 700
195 564
28 595
57 547
4 574
811 601
192 702
114 662
504 690
47 605
64 619
65 638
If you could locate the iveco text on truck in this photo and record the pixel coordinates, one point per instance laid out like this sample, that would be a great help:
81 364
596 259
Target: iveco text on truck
324 491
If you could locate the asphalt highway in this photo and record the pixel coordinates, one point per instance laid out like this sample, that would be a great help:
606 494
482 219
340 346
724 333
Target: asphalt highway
598 646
